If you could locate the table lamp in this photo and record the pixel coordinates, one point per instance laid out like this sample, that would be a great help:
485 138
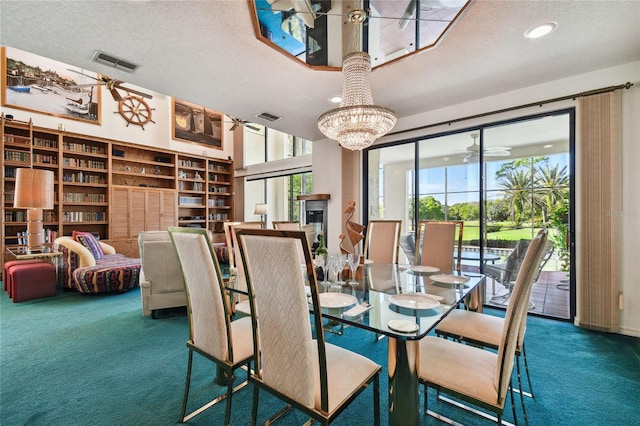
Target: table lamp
34 192
261 209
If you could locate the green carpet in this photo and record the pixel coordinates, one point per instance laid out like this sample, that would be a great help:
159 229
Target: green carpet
95 360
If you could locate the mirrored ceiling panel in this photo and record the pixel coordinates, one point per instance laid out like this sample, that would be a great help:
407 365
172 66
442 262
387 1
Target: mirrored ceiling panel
316 32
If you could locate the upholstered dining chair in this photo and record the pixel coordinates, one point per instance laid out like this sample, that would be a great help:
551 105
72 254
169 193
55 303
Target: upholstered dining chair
314 376
382 240
286 225
436 243
475 375
212 333
240 302
485 330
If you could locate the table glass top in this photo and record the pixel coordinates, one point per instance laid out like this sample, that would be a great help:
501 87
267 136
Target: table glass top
383 283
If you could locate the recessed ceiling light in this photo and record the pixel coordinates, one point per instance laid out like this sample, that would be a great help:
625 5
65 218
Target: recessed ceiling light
335 99
541 30
548 146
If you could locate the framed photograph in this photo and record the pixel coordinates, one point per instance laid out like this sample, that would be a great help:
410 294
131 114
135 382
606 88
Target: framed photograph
45 86
197 124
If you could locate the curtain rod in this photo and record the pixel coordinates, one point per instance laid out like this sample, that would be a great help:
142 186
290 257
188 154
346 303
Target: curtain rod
627 85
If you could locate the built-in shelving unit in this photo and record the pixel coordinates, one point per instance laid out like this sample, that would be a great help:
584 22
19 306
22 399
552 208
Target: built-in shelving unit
113 188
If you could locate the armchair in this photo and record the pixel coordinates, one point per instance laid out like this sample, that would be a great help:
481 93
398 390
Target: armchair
161 282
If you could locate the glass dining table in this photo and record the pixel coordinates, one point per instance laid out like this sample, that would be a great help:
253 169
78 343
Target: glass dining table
405 304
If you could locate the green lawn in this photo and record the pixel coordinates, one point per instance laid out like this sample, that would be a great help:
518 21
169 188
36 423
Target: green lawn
472 232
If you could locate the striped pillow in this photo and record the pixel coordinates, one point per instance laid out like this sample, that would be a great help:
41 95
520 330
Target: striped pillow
90 242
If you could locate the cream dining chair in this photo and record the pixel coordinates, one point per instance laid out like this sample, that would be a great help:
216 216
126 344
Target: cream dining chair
436 243
212 333
236 269
286 225
475 375
382 241
318 378
485 330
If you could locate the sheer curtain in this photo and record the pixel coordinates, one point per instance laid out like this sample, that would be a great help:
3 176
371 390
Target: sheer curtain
598 157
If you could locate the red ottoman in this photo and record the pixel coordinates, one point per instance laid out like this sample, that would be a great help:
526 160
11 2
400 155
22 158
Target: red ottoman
9 264
32 281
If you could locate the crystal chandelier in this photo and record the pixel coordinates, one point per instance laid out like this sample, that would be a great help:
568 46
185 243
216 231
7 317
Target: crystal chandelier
357 123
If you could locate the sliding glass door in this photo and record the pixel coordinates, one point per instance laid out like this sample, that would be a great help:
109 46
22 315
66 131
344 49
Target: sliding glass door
505 181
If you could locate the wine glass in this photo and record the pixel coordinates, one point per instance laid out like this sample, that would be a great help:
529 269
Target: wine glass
335 263
343 261
322 262
353 260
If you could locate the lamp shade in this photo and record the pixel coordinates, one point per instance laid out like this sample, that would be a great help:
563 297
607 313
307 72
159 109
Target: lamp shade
261 209
34 189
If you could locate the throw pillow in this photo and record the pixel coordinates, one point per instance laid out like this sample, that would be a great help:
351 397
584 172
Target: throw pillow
90 242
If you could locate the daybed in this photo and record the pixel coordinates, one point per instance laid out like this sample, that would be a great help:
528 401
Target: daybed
95 271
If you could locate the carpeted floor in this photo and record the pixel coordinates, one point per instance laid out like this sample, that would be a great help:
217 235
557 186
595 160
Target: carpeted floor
95 360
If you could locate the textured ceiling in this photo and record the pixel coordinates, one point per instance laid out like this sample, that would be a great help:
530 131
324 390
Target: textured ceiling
206 52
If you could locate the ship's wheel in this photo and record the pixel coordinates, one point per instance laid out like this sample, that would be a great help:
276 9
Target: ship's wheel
135 110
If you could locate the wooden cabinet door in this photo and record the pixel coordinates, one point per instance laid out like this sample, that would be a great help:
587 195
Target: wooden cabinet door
153 211
169 215
138 212
119 213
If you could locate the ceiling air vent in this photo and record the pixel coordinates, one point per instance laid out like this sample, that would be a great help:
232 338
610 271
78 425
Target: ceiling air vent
112 61
268 117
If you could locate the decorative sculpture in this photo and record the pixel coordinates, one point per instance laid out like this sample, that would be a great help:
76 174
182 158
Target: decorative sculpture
354 231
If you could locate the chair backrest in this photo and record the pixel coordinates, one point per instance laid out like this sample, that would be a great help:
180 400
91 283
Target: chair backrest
436 242
288 354
160 263
516 313
286 225
382 240
209 311
235 250
547 251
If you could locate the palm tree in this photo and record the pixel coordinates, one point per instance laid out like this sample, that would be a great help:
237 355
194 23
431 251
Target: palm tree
516 184
552 185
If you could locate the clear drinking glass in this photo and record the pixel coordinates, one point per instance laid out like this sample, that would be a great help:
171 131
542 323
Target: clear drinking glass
322 262
353 261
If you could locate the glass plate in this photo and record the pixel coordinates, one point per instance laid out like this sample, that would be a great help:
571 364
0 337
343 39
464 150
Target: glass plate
403 326
337 300
414 301
449 279
423 270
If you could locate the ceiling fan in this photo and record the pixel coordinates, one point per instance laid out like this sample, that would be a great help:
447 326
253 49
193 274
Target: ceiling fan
112 85
240 122
472 152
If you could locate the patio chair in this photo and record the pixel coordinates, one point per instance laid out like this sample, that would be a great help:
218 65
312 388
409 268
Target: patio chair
506 273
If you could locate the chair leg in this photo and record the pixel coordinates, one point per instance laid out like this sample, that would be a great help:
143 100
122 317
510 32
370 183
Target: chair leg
426 401
254 408
526 369
513 405
524 408
186 387
227 413
376 400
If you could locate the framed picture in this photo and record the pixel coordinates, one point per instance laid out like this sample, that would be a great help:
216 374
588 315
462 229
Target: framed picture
195 123
45 86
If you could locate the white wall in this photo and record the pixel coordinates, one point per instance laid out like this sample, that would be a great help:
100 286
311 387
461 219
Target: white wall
114 127
327 179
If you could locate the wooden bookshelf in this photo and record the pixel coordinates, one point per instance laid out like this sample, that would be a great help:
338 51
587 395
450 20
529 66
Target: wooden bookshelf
114 188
